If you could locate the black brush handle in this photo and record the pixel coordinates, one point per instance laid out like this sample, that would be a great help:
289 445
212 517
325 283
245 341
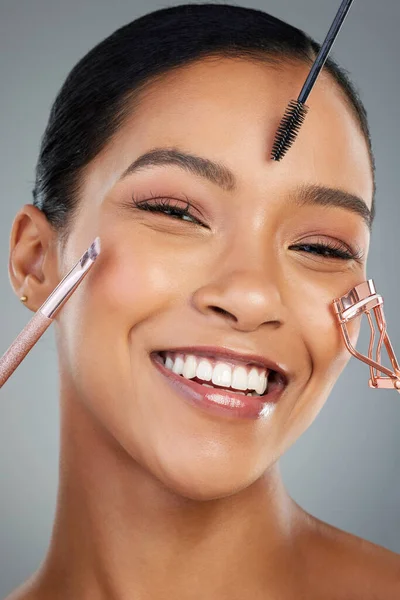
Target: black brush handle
325 49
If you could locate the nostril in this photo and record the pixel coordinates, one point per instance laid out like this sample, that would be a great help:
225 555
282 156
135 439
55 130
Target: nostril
222 311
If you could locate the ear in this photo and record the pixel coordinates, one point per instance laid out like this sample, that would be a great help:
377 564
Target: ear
33 262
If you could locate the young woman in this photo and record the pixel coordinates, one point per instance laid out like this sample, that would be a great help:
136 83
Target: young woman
216 277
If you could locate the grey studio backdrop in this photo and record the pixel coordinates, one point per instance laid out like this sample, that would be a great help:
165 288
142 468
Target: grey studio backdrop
345 469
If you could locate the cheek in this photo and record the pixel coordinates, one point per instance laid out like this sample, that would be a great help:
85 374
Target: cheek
323 341
323 336
137 278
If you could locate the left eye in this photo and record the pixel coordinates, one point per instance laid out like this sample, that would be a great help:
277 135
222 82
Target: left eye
327 250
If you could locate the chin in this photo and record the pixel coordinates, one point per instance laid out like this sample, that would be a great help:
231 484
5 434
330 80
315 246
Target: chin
209 480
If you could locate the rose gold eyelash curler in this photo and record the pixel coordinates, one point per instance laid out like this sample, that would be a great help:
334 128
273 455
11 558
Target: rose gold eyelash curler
363 299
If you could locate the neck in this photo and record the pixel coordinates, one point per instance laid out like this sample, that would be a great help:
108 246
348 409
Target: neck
120 533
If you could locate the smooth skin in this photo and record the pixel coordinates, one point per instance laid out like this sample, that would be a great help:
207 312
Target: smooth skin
158 499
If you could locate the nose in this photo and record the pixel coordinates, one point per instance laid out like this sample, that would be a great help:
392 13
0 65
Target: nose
246 297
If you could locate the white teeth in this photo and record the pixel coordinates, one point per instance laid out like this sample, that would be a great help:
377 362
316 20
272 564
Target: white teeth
253 379
178 364
204 370
239 378
189 368
222 375
169 363
262 385
219 373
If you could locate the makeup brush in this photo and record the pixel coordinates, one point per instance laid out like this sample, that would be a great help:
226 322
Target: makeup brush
44 316
297 110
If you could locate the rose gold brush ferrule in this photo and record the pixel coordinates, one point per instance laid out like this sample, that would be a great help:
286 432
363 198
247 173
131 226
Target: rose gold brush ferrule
363 299
46 313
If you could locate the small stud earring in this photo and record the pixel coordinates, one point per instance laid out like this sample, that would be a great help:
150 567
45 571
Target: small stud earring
24 298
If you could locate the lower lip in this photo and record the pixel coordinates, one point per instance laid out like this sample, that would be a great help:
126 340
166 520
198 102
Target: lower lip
220 402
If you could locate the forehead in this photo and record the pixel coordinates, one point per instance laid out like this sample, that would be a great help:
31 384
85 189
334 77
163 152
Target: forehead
229 110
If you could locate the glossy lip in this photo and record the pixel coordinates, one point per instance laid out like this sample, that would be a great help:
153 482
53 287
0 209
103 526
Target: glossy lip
220 402
240 358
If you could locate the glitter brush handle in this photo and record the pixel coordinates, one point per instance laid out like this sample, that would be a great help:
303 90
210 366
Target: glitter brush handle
22 344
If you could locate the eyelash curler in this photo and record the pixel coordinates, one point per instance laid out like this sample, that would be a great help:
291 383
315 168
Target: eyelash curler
363 299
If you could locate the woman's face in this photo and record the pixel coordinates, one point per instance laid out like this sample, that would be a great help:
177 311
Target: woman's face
239 272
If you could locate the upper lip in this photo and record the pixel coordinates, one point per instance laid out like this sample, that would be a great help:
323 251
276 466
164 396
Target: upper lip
219 352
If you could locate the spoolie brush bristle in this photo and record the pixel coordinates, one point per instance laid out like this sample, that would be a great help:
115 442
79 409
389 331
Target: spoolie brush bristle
288 128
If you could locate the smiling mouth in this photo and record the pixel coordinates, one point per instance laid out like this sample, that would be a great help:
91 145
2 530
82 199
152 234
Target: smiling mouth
224 374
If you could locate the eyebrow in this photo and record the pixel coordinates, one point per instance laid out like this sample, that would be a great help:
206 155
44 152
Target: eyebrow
222 176
196 165
326 196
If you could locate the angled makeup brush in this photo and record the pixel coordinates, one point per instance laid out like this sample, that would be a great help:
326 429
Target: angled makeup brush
45 314
297 110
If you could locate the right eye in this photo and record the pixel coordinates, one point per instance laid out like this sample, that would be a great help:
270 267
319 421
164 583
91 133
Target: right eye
171 207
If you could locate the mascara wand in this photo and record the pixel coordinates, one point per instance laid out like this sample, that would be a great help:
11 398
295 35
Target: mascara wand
297 110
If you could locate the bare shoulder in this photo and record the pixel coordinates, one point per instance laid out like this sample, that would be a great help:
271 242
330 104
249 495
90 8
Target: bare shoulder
20 594
347 566
26 591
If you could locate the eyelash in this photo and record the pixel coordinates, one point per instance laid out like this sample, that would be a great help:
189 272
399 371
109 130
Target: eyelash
335 250
164 205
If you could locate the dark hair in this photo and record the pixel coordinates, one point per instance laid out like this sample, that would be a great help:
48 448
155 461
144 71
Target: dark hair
104 85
